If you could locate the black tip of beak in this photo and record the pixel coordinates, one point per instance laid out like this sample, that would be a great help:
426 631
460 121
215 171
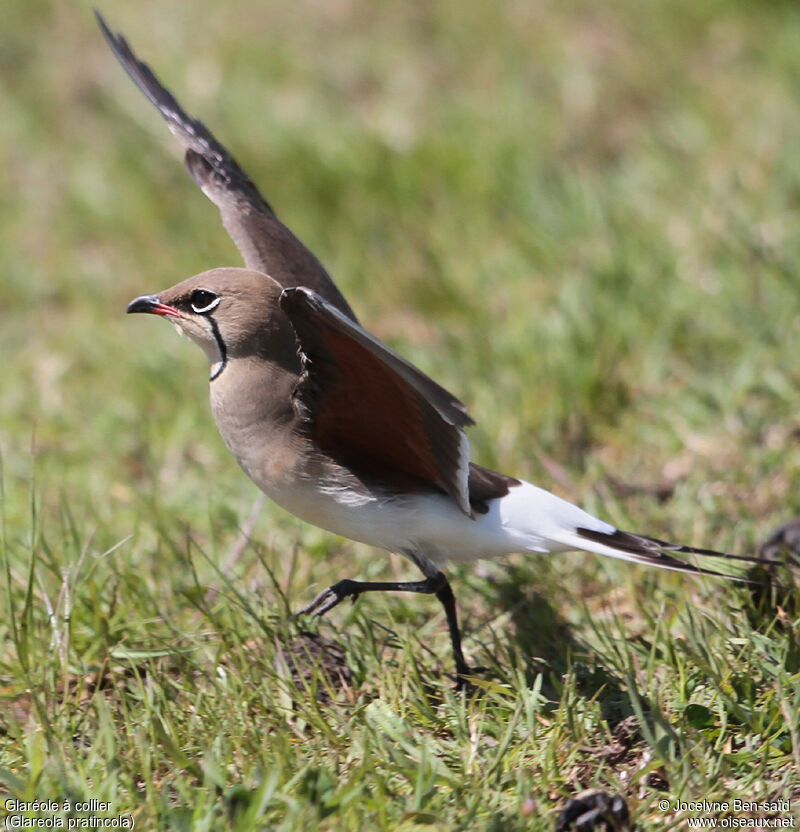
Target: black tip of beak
145 303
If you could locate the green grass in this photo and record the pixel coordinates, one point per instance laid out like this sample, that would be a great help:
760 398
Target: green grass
582 219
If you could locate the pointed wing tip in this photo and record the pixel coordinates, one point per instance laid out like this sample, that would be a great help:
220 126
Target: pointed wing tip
112 39
139 72
654 552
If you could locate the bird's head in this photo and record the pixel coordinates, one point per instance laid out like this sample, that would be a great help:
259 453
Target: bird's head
230 313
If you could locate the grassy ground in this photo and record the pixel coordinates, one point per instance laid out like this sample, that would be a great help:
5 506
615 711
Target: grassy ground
581 218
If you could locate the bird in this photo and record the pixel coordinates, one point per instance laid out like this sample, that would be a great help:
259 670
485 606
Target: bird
336 427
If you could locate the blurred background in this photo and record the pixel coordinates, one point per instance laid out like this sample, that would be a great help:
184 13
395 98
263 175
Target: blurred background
581 218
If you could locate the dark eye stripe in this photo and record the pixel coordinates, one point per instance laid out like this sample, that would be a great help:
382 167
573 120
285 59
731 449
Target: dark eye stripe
203 301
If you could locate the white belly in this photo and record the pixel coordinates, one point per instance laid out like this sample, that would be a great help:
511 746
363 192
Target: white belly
527 519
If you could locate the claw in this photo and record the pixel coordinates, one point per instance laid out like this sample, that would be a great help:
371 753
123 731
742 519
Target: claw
435 584
326 600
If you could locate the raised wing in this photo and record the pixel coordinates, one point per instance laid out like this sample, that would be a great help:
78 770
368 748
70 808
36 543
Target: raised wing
266 244
370 409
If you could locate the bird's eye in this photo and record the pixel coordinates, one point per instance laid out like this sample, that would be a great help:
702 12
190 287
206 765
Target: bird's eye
203 301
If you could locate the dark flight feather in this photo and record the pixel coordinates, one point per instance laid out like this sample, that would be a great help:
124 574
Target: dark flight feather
654 552
373 411
266 244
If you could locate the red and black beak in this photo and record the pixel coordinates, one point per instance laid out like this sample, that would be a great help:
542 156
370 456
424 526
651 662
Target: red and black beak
153 306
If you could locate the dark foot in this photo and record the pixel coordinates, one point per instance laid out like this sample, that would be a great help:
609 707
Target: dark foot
436 584
330 597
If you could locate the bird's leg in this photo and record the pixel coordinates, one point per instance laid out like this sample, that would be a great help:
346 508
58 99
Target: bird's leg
437 584
445 594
